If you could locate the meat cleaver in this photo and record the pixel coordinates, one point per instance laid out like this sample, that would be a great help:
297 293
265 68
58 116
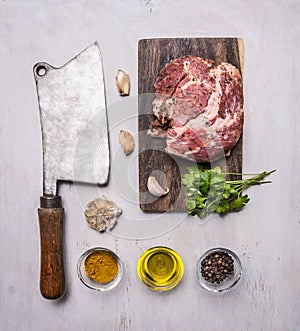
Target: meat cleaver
73 117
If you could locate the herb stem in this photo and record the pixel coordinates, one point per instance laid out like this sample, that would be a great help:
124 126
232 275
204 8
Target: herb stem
209 191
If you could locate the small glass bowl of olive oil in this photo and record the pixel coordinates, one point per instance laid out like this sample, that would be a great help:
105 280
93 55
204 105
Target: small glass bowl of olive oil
160 268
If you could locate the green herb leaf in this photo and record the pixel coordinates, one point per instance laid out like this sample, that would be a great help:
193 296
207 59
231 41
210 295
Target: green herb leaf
208 191
223 207
240 202
191 204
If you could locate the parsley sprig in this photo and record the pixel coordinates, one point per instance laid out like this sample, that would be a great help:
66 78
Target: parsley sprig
208 190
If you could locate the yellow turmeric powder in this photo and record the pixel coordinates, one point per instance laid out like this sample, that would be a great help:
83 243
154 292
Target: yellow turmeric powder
101 266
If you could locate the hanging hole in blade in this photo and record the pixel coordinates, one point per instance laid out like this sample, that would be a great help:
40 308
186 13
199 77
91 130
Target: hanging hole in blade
41 70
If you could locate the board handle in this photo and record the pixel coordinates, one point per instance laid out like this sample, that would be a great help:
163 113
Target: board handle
52 277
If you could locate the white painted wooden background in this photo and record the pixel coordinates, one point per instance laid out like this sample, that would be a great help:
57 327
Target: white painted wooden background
265 234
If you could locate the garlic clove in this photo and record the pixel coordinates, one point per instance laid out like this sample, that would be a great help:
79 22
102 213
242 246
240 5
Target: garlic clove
102 214
123 83
92 206
126 141
154 187
101 203
89 212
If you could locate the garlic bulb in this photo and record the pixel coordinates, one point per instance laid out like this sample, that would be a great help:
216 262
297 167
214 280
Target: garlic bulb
123 83
154 187
127 141
102 213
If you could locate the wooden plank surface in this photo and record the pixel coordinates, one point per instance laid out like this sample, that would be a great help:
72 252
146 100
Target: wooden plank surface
153 55
265 234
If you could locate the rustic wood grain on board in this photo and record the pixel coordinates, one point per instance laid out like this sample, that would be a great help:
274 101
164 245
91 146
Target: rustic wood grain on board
153 55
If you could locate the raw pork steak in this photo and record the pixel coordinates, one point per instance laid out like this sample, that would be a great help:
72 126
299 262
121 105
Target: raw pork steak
198 108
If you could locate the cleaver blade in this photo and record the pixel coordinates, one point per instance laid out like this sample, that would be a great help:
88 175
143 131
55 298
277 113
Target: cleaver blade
75 143
73 119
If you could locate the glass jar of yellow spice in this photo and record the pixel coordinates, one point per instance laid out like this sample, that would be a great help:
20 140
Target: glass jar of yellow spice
100 269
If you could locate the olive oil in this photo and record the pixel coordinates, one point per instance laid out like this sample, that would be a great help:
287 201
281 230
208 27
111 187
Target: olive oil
160 268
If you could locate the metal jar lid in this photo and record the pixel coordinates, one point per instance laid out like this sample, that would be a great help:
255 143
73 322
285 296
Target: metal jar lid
160 268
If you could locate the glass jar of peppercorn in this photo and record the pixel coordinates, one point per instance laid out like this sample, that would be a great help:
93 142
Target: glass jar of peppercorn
218 269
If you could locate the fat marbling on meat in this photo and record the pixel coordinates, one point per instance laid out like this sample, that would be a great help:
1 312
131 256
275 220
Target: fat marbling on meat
198 108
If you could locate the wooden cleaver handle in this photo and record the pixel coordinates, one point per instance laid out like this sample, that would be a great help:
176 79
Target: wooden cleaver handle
52 278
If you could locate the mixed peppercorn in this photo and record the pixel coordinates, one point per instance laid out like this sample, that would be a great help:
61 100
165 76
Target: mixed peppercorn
217 266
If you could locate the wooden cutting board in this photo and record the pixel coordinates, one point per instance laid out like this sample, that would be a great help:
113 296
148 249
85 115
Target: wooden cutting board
153 55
